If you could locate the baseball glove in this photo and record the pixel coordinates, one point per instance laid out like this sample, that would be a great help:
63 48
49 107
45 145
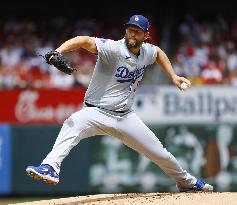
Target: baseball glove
55 58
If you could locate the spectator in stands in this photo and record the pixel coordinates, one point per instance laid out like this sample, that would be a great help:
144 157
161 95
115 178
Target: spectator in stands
208 51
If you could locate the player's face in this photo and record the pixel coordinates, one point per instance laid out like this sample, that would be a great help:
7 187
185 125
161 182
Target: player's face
134 36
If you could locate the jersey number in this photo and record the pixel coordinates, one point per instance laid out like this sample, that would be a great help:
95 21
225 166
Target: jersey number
138 82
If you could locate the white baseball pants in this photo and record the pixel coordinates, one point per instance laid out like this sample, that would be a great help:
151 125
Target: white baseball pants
130 129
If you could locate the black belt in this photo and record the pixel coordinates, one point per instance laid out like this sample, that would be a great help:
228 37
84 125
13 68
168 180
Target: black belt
90 105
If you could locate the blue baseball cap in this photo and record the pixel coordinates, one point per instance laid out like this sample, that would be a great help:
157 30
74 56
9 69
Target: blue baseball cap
140 21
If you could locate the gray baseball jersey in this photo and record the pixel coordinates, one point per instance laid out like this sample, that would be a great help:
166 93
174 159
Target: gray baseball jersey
117 74
114 82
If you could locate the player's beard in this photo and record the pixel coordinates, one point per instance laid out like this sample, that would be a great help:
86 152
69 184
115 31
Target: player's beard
132 43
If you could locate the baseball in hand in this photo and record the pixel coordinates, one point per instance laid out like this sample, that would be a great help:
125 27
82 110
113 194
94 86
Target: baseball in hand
184 86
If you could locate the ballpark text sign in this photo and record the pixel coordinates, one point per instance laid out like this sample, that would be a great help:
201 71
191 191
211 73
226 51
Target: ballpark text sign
196 105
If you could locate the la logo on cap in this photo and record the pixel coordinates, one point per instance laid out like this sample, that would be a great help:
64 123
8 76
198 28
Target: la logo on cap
136 18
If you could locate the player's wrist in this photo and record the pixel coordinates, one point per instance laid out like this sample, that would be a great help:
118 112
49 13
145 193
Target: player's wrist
173 77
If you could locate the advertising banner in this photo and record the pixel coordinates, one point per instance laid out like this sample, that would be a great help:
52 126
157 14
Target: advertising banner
39 106
154 105
163 105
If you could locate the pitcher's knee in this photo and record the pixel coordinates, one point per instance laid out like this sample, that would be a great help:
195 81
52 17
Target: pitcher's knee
76 121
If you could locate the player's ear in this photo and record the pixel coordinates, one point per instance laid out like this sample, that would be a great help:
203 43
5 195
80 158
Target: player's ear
147 36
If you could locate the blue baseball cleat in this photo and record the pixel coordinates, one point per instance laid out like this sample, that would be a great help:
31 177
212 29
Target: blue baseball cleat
200 185
44 172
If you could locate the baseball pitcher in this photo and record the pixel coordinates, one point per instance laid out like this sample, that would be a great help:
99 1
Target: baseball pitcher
107 104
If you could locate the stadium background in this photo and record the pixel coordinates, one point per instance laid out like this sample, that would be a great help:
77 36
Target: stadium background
198 127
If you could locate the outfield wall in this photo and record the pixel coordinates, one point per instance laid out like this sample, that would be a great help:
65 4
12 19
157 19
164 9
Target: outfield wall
204 145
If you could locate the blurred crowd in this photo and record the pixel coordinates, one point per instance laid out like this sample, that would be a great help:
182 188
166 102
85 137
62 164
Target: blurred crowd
23 41
207 51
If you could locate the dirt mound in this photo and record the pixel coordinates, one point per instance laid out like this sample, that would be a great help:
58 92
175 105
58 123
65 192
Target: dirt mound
215 198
